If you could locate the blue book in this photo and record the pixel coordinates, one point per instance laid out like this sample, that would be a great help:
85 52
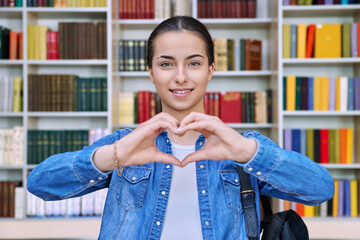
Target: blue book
347 198
295 146
357 92
311 93
350 93
332 93
287 139
303 141
293 42
341 202
344 2
354 40
286 2
329 2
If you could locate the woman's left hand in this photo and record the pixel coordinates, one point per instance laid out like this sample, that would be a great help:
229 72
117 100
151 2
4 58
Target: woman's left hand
222 142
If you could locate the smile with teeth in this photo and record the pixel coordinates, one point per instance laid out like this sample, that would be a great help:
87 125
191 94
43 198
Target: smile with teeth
181 91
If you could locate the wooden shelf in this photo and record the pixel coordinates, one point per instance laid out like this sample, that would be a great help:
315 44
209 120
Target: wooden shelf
264 73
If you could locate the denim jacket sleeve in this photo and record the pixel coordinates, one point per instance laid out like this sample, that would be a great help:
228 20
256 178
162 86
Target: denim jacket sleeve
70 174
287 174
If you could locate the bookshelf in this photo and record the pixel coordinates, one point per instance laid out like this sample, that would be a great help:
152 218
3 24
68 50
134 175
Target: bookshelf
17 19
321 227
271 15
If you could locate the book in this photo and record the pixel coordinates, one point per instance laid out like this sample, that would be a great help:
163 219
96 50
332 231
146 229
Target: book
327 41
301 40
230 107
310 41
286 41
290 93
346 39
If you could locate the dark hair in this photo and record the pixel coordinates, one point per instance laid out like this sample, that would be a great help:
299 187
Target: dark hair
178 24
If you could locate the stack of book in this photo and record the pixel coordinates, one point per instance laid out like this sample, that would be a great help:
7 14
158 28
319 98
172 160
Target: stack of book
66 93
321 40
11 44
237 54
132 55
319 2
321 93
11 3
66 3
8 197
89 205
226 9
12 146
45 143
231 107
73 40
11 94
345 202
322 145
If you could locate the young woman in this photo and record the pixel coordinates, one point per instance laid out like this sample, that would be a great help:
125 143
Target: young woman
174 176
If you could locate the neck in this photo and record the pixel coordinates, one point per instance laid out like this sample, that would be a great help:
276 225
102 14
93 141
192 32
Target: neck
189 137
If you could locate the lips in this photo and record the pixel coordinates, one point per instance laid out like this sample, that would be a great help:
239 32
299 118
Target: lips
181 92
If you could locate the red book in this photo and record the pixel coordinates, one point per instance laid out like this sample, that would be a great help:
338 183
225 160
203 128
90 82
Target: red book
251 8
219 9
343 145
230 107
300 209
21 52
141 13
147 9
242 8
121 9
216 104
324 145
147 100
55 46
40 3
358 36
206 103
152 9
48 45
310 41
13 45
236 9
125 10
141 105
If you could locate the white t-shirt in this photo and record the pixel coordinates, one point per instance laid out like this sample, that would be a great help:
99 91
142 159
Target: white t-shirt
182 218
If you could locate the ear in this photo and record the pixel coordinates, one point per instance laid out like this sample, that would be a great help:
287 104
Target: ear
151 75
211 71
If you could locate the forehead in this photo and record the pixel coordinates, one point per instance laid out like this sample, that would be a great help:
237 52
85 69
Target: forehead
179 43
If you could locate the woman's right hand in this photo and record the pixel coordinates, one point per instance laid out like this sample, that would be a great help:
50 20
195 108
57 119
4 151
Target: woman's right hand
139 146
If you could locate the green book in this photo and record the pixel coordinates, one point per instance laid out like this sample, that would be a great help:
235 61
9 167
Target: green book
242 54
331 146
286 41
18 3
310 143
93 94
59 141
300 2
346 39
31 147
1 43
98 93
308 2
75 93
69 140
252 107
44 145
337 146
298 94
51 3
52 147
284 93
136 107
103 94
38 147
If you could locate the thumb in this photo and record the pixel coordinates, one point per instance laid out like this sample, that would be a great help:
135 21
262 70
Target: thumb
193 157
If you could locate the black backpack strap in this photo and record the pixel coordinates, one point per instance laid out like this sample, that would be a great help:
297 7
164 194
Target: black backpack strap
265 201
247 197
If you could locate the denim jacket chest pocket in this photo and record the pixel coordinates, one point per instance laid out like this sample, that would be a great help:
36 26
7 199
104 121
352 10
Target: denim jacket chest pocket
132 187
232 188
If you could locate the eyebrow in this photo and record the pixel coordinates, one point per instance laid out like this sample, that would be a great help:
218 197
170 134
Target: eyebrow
172 58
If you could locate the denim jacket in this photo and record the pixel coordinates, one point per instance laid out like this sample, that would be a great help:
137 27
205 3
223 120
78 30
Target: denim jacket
136 201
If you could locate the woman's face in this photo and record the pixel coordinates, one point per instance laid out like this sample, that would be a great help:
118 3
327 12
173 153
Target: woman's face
180 71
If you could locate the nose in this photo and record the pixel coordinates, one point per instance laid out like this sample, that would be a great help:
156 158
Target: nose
181 76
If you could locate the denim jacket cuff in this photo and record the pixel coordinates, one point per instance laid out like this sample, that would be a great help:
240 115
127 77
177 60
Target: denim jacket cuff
264 160
85 169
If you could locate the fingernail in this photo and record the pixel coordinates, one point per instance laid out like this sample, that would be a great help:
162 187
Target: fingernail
177 129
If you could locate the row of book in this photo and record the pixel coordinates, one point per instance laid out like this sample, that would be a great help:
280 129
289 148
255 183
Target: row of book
226 9
8 196
132 55
321 40
319 2
89 205
237 54
11 44
11 3
11 94
66 3
73 40
45 143
153 9
231 107
345 202
322 145
12 146
321 93
58 92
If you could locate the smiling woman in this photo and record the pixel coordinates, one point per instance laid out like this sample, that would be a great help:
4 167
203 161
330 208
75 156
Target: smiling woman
174 176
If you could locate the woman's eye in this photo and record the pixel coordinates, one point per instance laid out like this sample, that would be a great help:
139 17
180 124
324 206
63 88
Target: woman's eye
194 64
165 64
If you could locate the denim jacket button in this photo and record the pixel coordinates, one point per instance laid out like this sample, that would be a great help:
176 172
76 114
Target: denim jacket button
92 180
236 180
100 178
158 223
207 223
250 169
167 166
134 178
167 140
203 192
201 166
163 193
259 173
201 143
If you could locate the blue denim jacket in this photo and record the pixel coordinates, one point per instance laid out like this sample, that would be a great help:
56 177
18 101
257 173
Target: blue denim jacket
136 201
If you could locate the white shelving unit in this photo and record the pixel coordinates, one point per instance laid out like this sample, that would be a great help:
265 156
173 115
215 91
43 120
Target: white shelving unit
321 228
17 19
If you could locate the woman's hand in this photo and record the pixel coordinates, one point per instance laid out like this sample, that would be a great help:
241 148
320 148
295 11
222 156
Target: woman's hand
222 142
139 147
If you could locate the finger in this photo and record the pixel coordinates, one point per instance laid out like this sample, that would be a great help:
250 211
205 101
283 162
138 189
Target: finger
202 127
167 158
160 125
193 117
193 157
